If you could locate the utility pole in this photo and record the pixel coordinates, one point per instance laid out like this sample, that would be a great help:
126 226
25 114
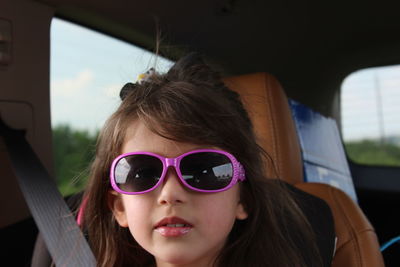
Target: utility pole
379 107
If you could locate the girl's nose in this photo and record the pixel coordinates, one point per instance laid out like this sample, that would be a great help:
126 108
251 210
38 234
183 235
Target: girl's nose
172 190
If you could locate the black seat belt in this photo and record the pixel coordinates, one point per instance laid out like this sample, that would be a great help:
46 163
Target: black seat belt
56 223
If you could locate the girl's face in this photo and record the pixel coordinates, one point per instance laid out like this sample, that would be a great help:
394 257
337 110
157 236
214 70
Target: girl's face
207 217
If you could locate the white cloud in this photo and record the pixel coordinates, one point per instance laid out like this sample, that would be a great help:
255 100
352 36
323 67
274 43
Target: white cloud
83 102
69 87
112 90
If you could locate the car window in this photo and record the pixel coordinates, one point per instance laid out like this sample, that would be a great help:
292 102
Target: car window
87 71
370 111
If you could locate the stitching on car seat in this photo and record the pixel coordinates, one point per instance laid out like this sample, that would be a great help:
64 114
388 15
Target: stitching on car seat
273 125
353 235
355 245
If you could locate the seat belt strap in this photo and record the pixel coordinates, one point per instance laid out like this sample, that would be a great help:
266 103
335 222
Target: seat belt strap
63 237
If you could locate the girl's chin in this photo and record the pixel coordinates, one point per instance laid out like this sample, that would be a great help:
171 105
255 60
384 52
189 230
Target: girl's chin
179 259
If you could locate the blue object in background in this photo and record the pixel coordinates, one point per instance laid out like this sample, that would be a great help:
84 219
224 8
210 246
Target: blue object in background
324 159
390 242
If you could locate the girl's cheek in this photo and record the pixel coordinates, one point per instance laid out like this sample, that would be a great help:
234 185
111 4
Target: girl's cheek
219 211
137 209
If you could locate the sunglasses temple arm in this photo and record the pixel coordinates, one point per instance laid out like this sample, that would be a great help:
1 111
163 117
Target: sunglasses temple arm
241 172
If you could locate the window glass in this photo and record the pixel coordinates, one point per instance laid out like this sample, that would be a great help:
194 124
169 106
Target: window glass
88 69
370 107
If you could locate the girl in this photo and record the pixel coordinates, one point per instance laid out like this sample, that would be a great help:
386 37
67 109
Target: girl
178 180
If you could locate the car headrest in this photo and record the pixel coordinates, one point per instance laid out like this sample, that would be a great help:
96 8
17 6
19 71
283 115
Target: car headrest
268 108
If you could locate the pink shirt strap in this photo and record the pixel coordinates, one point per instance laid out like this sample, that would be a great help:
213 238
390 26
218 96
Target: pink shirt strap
79 218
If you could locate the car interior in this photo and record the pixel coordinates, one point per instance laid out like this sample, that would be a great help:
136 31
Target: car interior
288 60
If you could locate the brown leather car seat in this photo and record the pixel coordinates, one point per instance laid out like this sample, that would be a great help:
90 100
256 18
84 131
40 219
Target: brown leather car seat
357 244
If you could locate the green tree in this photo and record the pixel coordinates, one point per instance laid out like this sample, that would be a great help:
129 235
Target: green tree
73 152
373 152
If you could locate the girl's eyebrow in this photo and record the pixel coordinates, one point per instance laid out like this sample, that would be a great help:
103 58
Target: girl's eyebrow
180 150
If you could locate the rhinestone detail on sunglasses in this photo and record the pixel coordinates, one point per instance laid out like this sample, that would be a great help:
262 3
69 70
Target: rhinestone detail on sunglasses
229 169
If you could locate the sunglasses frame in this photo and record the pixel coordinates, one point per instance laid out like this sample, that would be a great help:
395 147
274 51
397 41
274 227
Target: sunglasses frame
238 170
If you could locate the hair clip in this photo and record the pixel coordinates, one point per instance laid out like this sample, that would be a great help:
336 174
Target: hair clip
126 89
144 77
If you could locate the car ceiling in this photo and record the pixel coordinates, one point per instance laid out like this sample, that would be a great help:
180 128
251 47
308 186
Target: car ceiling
309 45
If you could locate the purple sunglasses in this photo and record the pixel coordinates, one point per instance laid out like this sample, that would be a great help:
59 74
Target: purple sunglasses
202 170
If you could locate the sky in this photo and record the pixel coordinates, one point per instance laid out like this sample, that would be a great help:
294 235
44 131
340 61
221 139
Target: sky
88 69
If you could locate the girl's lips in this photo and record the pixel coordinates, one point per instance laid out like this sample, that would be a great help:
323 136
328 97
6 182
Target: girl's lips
173 231
173 227
172 221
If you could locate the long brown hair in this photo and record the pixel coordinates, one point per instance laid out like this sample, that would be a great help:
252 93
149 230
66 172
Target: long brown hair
190 103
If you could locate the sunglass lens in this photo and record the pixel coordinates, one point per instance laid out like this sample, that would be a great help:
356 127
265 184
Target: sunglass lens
207 170
137 173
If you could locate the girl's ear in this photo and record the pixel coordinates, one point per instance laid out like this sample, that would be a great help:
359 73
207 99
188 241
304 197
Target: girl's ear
116 204
241 213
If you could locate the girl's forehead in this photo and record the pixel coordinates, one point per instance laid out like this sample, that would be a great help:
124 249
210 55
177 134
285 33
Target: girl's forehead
140 138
